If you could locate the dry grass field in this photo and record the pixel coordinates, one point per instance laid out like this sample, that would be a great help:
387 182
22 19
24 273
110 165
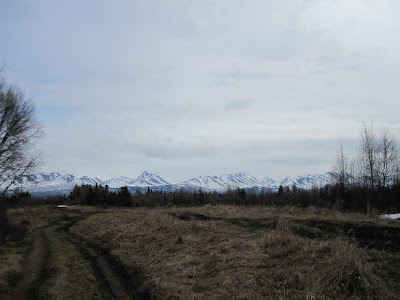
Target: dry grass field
63 274
207 252
230 252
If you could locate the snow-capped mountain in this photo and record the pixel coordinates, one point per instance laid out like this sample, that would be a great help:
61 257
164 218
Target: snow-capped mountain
247 181
53 183
308 181
149 179
120 181
91 180
205 182
241 180
268 181
146 179
223 182
58 184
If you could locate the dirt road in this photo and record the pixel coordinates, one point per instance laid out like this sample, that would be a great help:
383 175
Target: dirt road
36 271
35 265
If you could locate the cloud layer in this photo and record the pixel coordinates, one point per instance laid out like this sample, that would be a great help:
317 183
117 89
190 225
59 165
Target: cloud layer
189 87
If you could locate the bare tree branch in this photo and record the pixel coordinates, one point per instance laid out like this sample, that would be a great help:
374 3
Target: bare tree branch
19 131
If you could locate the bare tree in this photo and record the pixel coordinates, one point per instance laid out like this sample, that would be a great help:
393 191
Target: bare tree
368 155
341 170
396 179
387 159
375 168
379 157
19 132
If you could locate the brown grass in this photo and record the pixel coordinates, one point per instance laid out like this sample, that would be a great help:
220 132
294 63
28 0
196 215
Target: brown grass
70 275
12 255
219 252
13 250
23 221
222 252
347 271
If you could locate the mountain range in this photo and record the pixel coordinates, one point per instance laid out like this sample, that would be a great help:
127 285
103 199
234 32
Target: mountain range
54 183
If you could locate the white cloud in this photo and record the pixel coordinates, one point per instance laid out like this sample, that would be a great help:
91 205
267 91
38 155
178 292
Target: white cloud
183 87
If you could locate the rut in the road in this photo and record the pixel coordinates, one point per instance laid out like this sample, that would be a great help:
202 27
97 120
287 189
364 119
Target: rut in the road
27 288
103 268
36 266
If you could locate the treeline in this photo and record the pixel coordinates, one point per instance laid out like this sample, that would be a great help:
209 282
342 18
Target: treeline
102 196
99 195
367 181
327 196
369 178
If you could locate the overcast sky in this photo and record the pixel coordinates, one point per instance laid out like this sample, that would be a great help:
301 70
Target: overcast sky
184 88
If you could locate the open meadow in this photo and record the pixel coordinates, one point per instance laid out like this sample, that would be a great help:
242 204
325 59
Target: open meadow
206 252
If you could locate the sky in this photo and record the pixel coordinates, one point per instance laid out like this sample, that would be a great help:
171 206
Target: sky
185 88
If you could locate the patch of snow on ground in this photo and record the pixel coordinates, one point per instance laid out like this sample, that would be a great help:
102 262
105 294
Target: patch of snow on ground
390 216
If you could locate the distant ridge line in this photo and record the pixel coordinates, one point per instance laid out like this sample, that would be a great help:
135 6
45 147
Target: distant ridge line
55 183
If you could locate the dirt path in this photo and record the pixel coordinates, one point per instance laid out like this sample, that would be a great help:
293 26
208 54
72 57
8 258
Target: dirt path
34 267
103 267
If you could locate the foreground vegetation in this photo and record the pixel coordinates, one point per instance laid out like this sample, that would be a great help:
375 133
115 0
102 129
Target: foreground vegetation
64 273
223 252
208 252
69 273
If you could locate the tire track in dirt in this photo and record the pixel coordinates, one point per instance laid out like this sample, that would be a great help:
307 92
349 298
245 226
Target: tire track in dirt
101 265
102 268
35 266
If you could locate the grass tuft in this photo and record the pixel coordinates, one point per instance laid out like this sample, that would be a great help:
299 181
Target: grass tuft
348 271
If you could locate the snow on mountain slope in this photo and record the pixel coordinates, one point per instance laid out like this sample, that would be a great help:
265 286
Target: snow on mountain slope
120 182
224 182
44 177
146 179
307 182
286 182
268 181
241 180
205 182
53 182
149 179
91 180
247 181
56 183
